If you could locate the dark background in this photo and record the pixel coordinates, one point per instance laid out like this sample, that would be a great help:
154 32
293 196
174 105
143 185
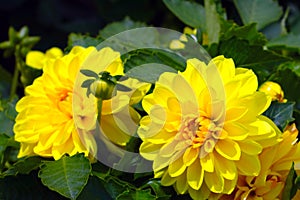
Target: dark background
54 20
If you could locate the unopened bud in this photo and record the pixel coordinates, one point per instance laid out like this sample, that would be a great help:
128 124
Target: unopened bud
103 89
273 90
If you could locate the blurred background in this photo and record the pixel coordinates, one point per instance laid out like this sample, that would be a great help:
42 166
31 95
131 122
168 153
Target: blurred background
54 20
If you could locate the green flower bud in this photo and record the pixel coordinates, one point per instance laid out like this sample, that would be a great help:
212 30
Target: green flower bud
6 45
12 35
23 32
30 41
103 89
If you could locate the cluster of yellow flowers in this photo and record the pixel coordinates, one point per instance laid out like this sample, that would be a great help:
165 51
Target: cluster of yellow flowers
204 129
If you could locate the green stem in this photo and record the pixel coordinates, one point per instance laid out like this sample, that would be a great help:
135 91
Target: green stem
99 106
14 83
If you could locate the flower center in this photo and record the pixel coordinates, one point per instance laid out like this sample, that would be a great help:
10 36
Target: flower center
201 132
64 102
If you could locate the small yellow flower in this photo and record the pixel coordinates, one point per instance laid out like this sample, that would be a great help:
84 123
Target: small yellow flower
179 44
176 44
273 90
38 60
188 30
276 162
204 127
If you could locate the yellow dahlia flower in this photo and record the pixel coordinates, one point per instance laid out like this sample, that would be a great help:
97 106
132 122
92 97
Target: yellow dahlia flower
38 60
46 119
276 162
204 127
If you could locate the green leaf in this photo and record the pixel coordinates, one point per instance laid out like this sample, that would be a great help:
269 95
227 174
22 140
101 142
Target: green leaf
87 83
262 62
280 113
29 74
27 164
24 187
159 57
247 32
190 13
6 141
149 72
7 115
9 172
117 27
115 187
290 188
261 12
5 82
67 176
289 41
288 76
6 152
137 195
89 73
160 191
297 182
133 39
94 190
123 88
82 40
213 25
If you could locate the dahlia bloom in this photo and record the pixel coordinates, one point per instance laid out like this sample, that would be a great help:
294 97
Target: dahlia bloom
276 162
38 60
204 127
55 115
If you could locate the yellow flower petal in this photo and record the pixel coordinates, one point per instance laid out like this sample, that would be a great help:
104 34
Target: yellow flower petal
35 59
181 184
248 165
225 67
176 168
235 130
167 180
207 162
149 150
235 113
195 175
250 147
54 52
26 149
214 181
228 149
226 168
190 155
201 194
